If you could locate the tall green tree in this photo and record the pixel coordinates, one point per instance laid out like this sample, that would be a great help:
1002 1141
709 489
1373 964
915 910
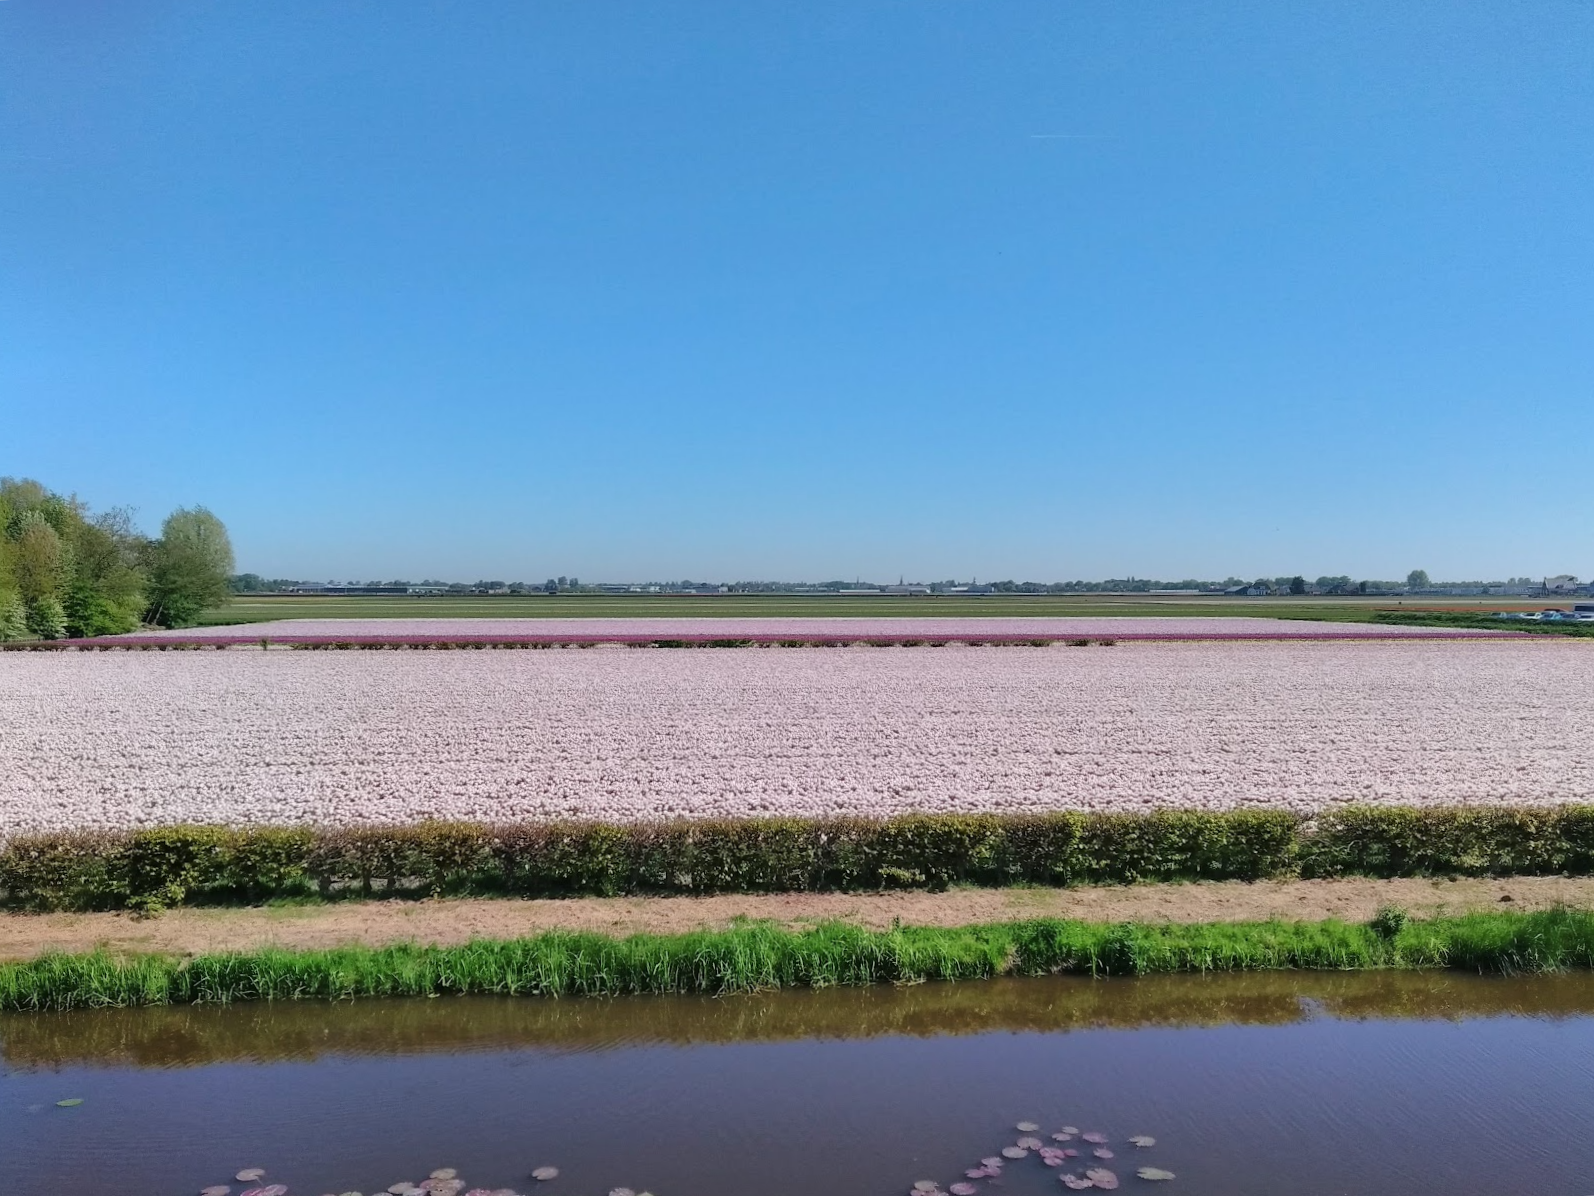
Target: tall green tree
188 567
1417 579
64 570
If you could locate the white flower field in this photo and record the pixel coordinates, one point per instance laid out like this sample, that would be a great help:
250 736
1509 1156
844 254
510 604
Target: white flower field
257 737
845 627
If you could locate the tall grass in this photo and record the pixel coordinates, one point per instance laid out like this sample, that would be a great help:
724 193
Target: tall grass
757 956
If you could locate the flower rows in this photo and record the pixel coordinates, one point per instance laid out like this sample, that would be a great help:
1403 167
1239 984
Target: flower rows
249 738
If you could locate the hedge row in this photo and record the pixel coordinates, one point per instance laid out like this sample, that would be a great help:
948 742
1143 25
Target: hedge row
156 868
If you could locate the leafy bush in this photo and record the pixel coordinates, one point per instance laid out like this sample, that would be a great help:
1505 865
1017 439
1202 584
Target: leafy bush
156 868
13 617
1438 841
46 618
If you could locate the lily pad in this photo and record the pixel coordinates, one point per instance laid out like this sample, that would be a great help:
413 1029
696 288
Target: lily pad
1096 1136
1077 1183
621 1192
990 1161
249 1174
972 1173
215 1190
274 1190
1143 1140
1014 1152
1154 1173
925 1185
543 1174
1070 1129
1060 1136
1029 1143
1026 1127
70 1102
1101 1152
1102 1178
962 1190
444 1173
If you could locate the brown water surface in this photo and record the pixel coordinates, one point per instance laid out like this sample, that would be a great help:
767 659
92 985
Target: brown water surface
1280 1083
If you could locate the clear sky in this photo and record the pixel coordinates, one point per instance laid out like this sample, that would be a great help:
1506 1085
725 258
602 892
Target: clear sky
809 289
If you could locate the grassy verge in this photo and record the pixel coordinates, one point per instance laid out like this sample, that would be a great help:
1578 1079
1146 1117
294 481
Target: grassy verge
757 957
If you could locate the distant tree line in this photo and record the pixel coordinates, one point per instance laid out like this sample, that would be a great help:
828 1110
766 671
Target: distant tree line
68 572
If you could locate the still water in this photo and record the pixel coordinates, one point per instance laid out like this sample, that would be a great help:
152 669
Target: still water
1283 1084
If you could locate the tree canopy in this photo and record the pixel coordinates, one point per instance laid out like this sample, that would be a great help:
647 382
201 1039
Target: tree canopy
188 567
66 571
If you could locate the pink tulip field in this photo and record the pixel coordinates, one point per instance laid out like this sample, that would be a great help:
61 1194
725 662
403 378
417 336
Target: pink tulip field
259 737
794 629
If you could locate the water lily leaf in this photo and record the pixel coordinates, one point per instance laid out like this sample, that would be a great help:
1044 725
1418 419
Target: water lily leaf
1029 1143
543 1174
990 1161
274 1190
1154 1173
621 1192
215 1190
1026 1127
1143 1140
1014 1152
1070 1129
1102 1178
1076 1182
444 1173
1101 1152
925 1185
962 1190
1095 1136
70 1102
249 1174
1061 1136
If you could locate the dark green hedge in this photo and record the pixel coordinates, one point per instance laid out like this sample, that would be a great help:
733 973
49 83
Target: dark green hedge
1451 841
153 869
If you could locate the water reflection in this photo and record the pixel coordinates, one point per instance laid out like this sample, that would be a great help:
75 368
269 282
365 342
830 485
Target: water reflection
1305 1084
190 1036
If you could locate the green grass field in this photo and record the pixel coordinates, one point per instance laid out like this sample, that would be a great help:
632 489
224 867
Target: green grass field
257 609
759 957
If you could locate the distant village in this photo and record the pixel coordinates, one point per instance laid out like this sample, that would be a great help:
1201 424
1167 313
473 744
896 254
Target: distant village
1417 585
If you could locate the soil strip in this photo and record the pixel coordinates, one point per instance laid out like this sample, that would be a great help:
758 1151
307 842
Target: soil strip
449 922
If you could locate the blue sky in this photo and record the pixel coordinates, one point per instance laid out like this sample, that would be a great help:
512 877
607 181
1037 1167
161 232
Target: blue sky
1041 290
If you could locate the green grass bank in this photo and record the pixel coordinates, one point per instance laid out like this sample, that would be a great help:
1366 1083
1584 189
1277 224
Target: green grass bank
164 867
759 957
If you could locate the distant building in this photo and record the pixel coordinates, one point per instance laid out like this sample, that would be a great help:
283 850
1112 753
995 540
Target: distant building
1564 584
351 591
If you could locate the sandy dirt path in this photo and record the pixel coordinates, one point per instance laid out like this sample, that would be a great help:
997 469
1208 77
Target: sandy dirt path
197 931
